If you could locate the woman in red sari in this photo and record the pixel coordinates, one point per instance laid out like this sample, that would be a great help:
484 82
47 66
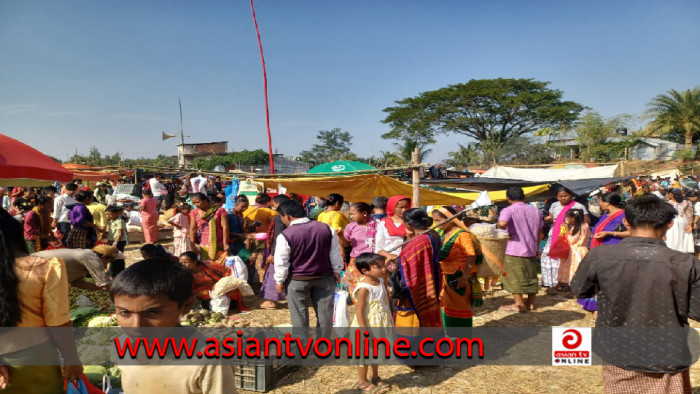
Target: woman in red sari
206 274
208 227
416 283
418 272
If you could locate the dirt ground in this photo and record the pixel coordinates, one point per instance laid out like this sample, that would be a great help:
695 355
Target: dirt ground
551 311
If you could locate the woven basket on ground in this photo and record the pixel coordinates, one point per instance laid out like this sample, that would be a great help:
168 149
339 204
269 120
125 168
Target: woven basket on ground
493 248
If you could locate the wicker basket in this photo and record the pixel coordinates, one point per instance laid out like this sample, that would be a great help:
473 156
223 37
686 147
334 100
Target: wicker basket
493 248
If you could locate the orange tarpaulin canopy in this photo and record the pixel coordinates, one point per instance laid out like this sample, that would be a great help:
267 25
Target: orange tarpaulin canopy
88 173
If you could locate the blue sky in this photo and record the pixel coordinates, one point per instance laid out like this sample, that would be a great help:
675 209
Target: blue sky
76 74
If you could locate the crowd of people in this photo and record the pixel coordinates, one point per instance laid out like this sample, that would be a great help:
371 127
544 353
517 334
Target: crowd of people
404 266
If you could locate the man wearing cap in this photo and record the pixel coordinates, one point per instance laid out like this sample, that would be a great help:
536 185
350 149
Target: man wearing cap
80 262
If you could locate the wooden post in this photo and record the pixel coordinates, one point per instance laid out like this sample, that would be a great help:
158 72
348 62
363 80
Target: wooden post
416 177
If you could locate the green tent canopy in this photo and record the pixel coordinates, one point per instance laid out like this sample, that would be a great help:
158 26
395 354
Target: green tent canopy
341 167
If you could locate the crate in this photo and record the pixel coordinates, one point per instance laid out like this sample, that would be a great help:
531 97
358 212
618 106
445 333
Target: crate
259 377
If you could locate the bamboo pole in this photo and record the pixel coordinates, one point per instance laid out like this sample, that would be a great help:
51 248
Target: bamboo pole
416 177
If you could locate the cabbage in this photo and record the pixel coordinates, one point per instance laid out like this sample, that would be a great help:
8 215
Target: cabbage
98 369
100 321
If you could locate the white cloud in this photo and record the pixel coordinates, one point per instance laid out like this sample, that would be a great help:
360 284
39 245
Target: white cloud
142 116
17 109
61 113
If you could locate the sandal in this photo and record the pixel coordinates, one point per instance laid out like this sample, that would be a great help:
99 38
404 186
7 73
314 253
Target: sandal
382 387
366 386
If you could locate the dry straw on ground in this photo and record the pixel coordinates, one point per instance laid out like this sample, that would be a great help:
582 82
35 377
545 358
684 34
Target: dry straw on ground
551 311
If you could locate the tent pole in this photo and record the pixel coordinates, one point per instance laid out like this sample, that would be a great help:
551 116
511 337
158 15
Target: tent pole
416 177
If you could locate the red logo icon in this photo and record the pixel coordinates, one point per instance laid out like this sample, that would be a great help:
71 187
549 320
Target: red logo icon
573 340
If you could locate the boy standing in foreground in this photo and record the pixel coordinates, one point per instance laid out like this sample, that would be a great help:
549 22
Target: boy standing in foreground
153 294
642 283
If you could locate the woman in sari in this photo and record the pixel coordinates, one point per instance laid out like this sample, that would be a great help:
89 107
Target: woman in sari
359 235
458 255
205 275
268 291
236 223
610 230
557 215
418 274
37 225
680 236
209 229
149 216
415 284
332 216
82 234
34 294
391 231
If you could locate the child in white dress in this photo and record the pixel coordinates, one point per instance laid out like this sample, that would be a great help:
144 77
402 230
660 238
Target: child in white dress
181 231
370 297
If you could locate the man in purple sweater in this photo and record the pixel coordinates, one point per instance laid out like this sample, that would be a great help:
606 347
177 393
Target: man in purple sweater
308 264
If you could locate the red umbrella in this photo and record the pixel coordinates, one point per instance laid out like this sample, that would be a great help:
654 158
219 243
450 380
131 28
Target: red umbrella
22 165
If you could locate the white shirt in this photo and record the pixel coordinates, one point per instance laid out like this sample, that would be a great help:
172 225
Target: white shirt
384 241
60 212
657 194
6 203
156 187
283 251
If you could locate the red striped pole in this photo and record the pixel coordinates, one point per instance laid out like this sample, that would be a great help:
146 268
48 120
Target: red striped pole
267 108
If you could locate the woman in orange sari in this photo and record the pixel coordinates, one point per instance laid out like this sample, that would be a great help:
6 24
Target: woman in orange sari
458 259
206 274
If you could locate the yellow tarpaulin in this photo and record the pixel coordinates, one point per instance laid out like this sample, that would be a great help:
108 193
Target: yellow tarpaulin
365 187
500 195
361 188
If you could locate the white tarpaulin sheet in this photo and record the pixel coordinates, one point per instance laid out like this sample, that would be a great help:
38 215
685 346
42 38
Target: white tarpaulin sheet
549 175
667 174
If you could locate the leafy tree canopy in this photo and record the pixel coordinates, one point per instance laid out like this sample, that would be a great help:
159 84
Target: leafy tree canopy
676 112
96 159
244 157
597 138
486 109
333 145
517 150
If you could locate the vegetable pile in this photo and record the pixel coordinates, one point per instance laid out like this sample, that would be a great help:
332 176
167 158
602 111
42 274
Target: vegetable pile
205 318
200 318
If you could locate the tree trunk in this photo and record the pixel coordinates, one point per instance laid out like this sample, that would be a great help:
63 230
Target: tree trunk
689 136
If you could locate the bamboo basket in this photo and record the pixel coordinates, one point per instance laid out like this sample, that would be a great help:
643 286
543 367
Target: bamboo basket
493 249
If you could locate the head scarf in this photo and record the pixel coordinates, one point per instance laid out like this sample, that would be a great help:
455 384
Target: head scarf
391 228
454 221
393 201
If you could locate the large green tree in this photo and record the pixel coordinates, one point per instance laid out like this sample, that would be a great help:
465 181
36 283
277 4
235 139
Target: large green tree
332 145
676 111
244 157
597 137
490 111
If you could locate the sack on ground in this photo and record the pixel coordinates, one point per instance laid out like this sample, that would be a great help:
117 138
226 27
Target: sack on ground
237 266
220 304
229 283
